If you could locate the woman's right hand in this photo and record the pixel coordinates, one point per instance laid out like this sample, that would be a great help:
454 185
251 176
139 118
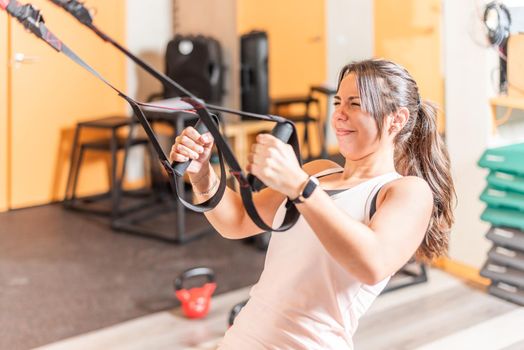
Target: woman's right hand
192 146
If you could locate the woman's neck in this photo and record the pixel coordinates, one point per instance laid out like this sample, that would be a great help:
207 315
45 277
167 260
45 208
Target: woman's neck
372 165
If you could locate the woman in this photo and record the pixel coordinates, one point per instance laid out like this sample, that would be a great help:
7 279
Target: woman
363 222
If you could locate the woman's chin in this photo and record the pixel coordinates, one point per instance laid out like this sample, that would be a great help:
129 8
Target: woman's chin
350 153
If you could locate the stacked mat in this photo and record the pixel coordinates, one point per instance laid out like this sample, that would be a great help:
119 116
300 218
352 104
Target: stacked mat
504 197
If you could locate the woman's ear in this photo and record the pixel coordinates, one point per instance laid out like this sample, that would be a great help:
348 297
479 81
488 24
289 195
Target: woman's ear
398 120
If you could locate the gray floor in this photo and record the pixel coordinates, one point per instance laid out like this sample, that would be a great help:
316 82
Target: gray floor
428 318
444 313
63 273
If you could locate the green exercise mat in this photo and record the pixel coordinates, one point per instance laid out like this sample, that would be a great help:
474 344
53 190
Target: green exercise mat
507 159
499 198
504 217
506 181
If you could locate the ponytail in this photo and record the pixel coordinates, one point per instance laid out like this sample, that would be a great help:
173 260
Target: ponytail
424 155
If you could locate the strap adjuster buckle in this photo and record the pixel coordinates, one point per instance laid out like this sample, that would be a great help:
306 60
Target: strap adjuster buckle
240 178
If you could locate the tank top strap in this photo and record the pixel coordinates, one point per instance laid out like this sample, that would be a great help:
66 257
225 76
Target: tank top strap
327 172
380 182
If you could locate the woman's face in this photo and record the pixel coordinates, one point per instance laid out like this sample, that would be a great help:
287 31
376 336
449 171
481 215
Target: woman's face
355 129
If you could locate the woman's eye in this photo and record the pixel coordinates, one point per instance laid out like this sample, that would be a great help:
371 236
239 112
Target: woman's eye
336 103
355 104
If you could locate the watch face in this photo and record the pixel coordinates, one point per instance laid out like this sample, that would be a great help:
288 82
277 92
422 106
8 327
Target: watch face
310 187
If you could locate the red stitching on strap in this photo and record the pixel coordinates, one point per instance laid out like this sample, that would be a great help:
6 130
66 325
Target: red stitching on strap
53 41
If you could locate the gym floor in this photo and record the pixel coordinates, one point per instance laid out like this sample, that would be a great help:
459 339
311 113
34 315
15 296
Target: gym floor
441 314
68 282
63 273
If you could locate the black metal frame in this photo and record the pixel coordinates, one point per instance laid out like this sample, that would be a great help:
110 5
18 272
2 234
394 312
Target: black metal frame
405 277
115 192
165 201
306 118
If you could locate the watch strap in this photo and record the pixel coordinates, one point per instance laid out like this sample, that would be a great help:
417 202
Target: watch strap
308 189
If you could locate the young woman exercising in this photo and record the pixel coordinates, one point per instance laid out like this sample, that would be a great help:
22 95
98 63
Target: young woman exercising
321 275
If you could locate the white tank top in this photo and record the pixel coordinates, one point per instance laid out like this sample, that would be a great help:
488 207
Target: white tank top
304 299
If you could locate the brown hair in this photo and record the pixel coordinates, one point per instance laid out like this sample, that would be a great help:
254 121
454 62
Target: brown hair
384 87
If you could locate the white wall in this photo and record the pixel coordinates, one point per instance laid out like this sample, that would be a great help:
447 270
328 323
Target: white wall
149 29
469 71
469 68
349 36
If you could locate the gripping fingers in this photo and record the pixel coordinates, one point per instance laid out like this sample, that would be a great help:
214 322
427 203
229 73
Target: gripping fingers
177 157
189 143
260 150
192 134
186 151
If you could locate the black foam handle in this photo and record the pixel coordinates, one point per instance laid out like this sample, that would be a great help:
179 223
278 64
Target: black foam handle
180 167
281 131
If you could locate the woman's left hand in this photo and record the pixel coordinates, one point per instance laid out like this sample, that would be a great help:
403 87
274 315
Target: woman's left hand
275 164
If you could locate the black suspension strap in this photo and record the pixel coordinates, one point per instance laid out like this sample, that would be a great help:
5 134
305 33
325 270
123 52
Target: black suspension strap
32 20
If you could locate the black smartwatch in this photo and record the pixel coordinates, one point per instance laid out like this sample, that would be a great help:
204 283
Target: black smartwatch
311 183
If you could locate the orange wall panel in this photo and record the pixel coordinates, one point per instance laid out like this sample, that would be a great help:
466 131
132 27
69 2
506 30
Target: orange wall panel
50 94
409 32
297 45
3 112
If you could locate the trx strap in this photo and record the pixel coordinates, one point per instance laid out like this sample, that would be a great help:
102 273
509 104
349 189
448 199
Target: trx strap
32 20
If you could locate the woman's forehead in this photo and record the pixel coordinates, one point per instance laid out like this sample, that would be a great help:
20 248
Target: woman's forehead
348 87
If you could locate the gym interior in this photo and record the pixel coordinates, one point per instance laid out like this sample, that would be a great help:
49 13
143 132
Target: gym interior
96 249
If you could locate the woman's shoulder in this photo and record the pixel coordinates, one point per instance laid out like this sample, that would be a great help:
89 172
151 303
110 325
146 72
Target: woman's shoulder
407 186
316 166
405 195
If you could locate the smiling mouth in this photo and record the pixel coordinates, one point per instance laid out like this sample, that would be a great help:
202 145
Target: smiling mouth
344 132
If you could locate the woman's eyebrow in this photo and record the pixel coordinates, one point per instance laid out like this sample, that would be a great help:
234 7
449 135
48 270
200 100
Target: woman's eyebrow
337 97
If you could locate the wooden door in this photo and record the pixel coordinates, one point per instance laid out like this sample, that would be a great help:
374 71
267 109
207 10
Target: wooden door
49 94
409 32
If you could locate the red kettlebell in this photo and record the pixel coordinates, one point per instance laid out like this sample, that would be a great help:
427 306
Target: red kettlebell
195 301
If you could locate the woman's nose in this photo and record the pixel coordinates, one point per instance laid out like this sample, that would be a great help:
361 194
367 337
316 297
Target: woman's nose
339 115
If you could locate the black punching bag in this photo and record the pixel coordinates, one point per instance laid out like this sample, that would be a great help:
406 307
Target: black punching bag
196 63
254 52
